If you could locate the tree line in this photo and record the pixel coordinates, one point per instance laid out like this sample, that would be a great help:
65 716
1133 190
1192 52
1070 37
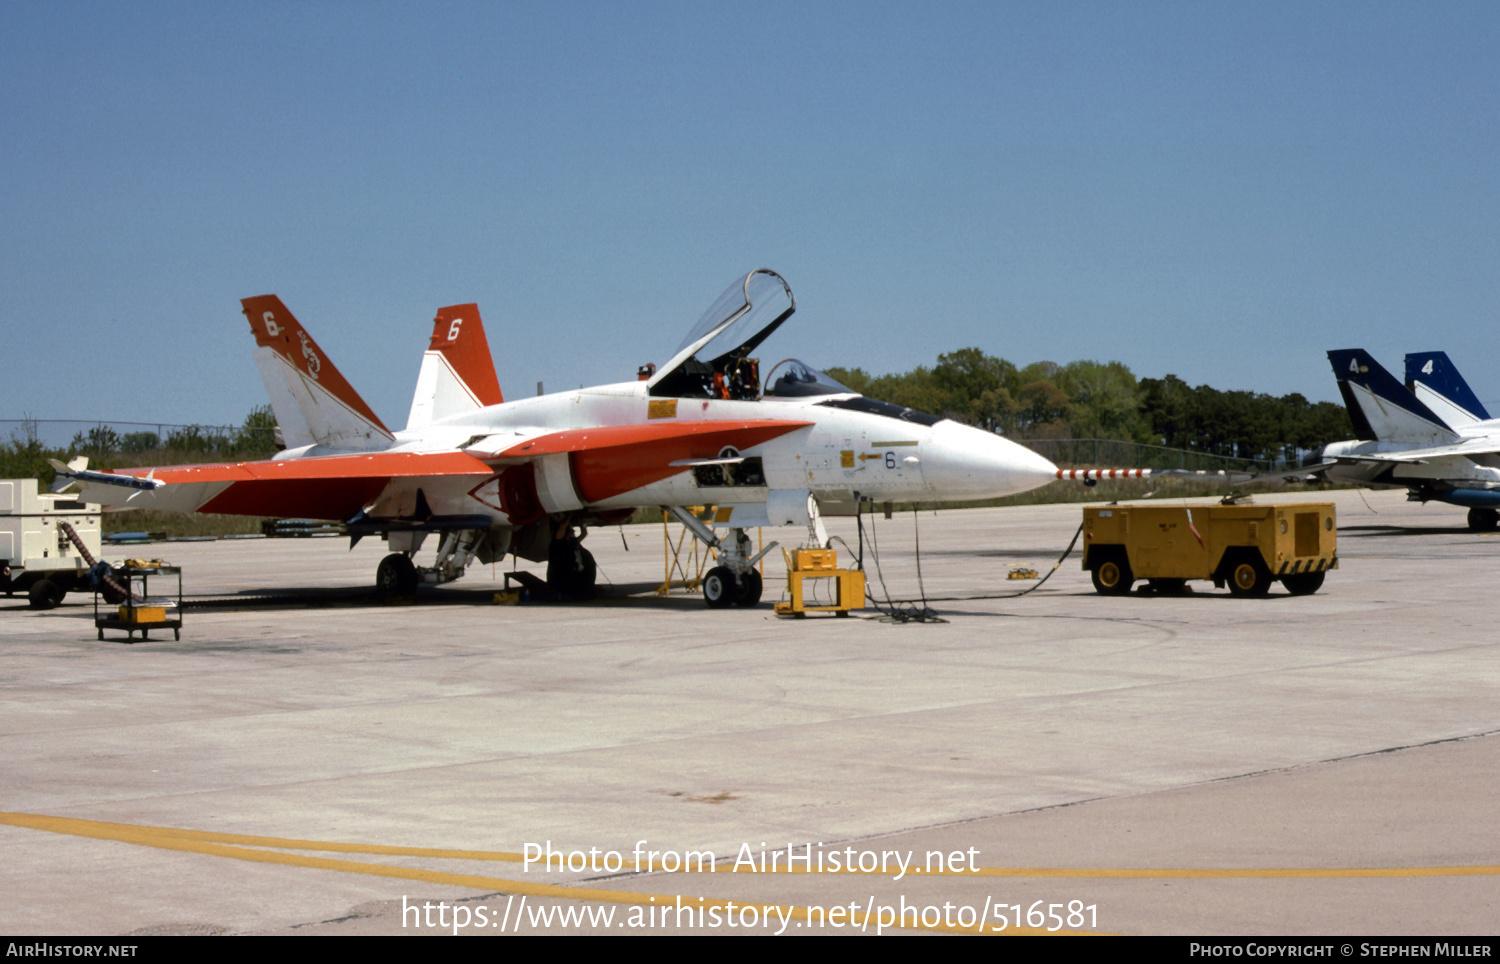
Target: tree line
1089 399
25 456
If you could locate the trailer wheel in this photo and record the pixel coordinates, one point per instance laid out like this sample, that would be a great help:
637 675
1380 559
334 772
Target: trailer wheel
1112 575
45 594
1303 583
1249 576
1483 520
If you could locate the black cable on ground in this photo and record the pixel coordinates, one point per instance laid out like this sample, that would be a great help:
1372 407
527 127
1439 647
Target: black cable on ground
895 611
919 610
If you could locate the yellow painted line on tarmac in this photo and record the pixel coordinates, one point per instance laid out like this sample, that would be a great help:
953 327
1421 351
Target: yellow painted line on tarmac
168 839
1149 873
1208 873
195 841
110 831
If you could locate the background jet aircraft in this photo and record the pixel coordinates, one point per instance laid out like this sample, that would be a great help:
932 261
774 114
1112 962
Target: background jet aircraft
1436 383
1404 441
490 477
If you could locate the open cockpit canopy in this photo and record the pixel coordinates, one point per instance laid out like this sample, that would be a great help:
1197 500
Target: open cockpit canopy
713 361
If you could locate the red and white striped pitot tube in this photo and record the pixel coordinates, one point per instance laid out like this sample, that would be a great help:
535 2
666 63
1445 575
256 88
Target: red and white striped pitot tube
1097 474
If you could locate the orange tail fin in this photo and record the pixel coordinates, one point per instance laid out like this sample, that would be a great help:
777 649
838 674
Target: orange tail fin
458 374
312 401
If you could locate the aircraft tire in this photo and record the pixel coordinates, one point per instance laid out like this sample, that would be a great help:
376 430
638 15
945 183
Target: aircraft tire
1112 575
396 576
45 594
719 587
1303 583
747 590
590 573
1483 520
1248 576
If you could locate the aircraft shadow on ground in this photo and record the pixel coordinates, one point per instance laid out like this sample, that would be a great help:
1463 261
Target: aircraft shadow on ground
623 595
1358 532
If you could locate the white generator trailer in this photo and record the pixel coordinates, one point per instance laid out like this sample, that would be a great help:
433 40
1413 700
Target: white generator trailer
36 555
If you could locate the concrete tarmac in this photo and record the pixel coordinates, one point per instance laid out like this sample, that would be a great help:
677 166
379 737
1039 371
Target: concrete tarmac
1200 764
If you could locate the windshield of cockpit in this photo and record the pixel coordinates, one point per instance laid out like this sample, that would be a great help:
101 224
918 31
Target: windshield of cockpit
794 379
738 321
797 379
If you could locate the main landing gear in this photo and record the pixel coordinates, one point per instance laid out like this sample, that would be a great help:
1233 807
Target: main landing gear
398 576
571 571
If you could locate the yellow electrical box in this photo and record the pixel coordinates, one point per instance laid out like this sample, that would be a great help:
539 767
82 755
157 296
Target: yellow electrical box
808 560
817 585
143 614
1246 547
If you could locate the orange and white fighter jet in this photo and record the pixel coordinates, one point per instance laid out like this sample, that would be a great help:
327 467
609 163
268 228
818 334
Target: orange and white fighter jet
491 477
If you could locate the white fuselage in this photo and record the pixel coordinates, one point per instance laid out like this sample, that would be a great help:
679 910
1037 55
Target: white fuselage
841 456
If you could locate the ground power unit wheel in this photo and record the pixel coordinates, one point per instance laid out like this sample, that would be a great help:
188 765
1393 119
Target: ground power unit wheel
1112 575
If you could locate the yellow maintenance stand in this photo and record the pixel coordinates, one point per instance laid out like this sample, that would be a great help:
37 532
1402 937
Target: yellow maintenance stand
1246 547
818 585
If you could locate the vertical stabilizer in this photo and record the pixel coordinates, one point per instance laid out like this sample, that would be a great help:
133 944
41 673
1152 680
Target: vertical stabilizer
458 374
1435 381
1381 407
312 401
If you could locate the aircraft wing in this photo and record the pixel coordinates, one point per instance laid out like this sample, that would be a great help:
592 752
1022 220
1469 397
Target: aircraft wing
598 463
328 487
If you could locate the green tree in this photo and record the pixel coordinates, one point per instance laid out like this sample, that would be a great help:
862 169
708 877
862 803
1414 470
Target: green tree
24 457
257 435
1105 400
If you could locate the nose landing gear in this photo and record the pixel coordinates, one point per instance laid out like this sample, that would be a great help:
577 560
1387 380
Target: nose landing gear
723 587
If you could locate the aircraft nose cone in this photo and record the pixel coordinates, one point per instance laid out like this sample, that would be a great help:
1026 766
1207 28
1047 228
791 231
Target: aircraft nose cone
960 462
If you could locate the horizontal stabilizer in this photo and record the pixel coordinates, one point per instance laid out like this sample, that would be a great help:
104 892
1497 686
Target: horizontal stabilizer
1469 448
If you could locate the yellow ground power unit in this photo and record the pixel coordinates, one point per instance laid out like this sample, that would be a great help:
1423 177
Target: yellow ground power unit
1246 547
817 585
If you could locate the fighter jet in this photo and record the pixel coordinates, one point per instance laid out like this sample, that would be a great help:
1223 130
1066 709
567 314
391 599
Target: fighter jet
1452 457
488 477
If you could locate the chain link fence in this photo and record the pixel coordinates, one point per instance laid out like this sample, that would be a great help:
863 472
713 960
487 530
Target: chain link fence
1111 453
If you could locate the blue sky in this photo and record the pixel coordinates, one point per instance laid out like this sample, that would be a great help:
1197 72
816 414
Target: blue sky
1219 191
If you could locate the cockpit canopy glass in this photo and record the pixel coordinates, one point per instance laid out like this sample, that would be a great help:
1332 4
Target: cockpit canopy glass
871 406
795 379
739 320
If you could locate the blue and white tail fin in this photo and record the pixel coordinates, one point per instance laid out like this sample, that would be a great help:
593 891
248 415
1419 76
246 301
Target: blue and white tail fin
1381 407
312 401
1435 381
